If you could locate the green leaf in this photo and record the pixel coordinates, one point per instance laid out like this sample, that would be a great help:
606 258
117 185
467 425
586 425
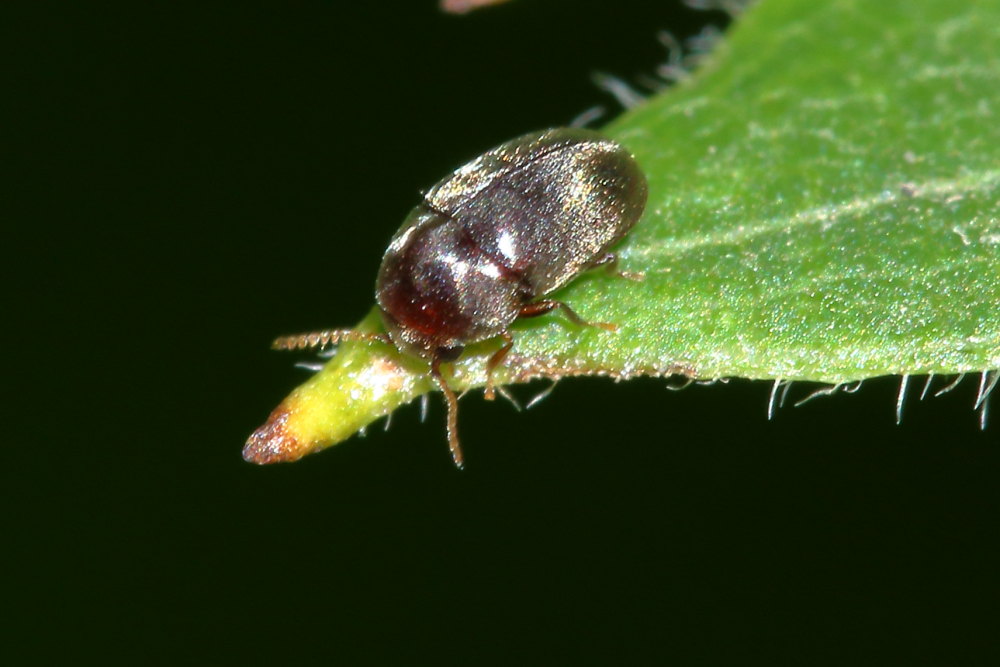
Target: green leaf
824 205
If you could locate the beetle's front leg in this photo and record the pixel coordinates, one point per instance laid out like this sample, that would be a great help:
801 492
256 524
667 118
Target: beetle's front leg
495 361
452 402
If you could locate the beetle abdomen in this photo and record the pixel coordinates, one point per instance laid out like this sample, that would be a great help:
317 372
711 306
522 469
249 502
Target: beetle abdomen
552 218
512 225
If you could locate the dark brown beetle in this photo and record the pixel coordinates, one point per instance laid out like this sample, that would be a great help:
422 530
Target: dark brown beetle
489 240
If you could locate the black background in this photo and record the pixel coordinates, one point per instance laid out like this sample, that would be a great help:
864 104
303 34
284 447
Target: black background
192 180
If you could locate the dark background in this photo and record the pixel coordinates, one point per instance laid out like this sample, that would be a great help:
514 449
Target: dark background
193 179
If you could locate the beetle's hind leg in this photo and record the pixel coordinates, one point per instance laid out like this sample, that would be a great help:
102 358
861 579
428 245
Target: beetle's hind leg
548 305
534 310
610 262
452 401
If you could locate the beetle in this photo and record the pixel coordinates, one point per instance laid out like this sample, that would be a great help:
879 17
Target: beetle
488 242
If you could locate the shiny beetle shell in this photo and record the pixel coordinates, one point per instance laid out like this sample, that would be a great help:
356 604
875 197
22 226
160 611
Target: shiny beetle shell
516 223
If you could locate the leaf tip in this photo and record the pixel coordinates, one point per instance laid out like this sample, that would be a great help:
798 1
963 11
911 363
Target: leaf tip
273 442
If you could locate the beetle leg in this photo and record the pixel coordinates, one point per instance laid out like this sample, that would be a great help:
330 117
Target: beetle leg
610 261
324 338
547 305
449 396
494 361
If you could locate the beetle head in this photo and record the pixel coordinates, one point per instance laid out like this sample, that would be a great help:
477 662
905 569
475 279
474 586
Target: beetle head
412 340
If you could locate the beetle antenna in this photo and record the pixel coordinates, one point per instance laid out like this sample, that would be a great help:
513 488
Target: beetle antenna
449 396
321 339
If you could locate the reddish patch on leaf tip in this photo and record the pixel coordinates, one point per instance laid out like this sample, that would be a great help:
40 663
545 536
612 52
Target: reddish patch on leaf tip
272 443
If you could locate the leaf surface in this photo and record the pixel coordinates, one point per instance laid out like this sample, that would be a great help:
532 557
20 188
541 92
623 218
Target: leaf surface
824 205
